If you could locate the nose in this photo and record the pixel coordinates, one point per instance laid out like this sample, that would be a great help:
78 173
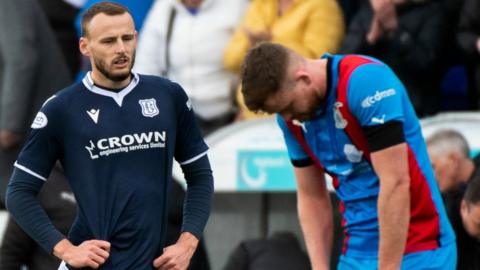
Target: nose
120 48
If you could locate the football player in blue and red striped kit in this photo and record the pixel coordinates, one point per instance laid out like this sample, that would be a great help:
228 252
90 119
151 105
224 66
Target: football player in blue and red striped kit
350 116
116 134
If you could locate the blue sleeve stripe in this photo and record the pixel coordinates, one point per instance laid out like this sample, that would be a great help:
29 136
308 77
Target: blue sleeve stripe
193 159
27 170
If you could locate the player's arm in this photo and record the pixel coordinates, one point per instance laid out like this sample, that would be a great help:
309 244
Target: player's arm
382 123
31 170
313 201
191 153
197 205
24 206
389 158
315 214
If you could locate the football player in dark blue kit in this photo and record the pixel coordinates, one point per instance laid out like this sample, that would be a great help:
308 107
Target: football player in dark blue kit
116 134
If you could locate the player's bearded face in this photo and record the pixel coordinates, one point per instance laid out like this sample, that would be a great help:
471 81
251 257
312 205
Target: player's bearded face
108 68
298 103
110 43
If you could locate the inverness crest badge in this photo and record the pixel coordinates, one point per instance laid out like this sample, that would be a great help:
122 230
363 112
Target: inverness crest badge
340 122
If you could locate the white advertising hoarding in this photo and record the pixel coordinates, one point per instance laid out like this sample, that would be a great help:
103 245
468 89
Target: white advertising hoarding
251 155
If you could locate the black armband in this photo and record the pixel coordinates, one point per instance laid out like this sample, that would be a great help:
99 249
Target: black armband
385 135
299 163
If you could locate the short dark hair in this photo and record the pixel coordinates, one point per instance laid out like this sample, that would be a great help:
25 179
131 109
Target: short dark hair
472 193
109 8
263 72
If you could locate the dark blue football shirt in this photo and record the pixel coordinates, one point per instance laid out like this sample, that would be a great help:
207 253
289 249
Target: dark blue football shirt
117 150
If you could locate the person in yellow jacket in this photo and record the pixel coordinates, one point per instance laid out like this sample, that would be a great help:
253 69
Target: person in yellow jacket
309 27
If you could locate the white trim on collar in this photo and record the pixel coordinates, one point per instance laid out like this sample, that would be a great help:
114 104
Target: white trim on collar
117 96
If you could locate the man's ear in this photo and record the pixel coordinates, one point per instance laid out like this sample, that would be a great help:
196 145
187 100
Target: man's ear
302 76
83 45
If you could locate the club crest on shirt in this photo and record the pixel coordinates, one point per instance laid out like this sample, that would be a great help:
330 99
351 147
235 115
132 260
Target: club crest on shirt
340 122
149 107
352 153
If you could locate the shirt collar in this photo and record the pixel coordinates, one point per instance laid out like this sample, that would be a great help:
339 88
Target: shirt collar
117 96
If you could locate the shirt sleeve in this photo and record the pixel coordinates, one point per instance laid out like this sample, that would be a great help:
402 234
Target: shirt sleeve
30 173
199 196
41 150
189 145
375 95
297 154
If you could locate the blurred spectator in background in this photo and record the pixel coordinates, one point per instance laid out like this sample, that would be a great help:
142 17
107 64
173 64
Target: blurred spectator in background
385 14
32 67
450 156
184 41
281 251
349 8
470 212
309 27
468 38
18 249
412 44
61 14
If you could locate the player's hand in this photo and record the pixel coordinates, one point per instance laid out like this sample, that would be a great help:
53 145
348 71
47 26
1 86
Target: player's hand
177 256
9 139
91 253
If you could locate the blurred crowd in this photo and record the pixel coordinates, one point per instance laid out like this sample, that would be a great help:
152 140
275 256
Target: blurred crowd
432 45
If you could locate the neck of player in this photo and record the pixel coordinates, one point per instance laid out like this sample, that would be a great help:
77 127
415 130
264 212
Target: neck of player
317 68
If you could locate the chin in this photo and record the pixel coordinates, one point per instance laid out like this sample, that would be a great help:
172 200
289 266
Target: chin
120 76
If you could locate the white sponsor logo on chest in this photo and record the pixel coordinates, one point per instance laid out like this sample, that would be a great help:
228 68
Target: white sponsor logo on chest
126 143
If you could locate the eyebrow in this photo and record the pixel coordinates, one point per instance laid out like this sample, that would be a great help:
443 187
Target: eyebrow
114 36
